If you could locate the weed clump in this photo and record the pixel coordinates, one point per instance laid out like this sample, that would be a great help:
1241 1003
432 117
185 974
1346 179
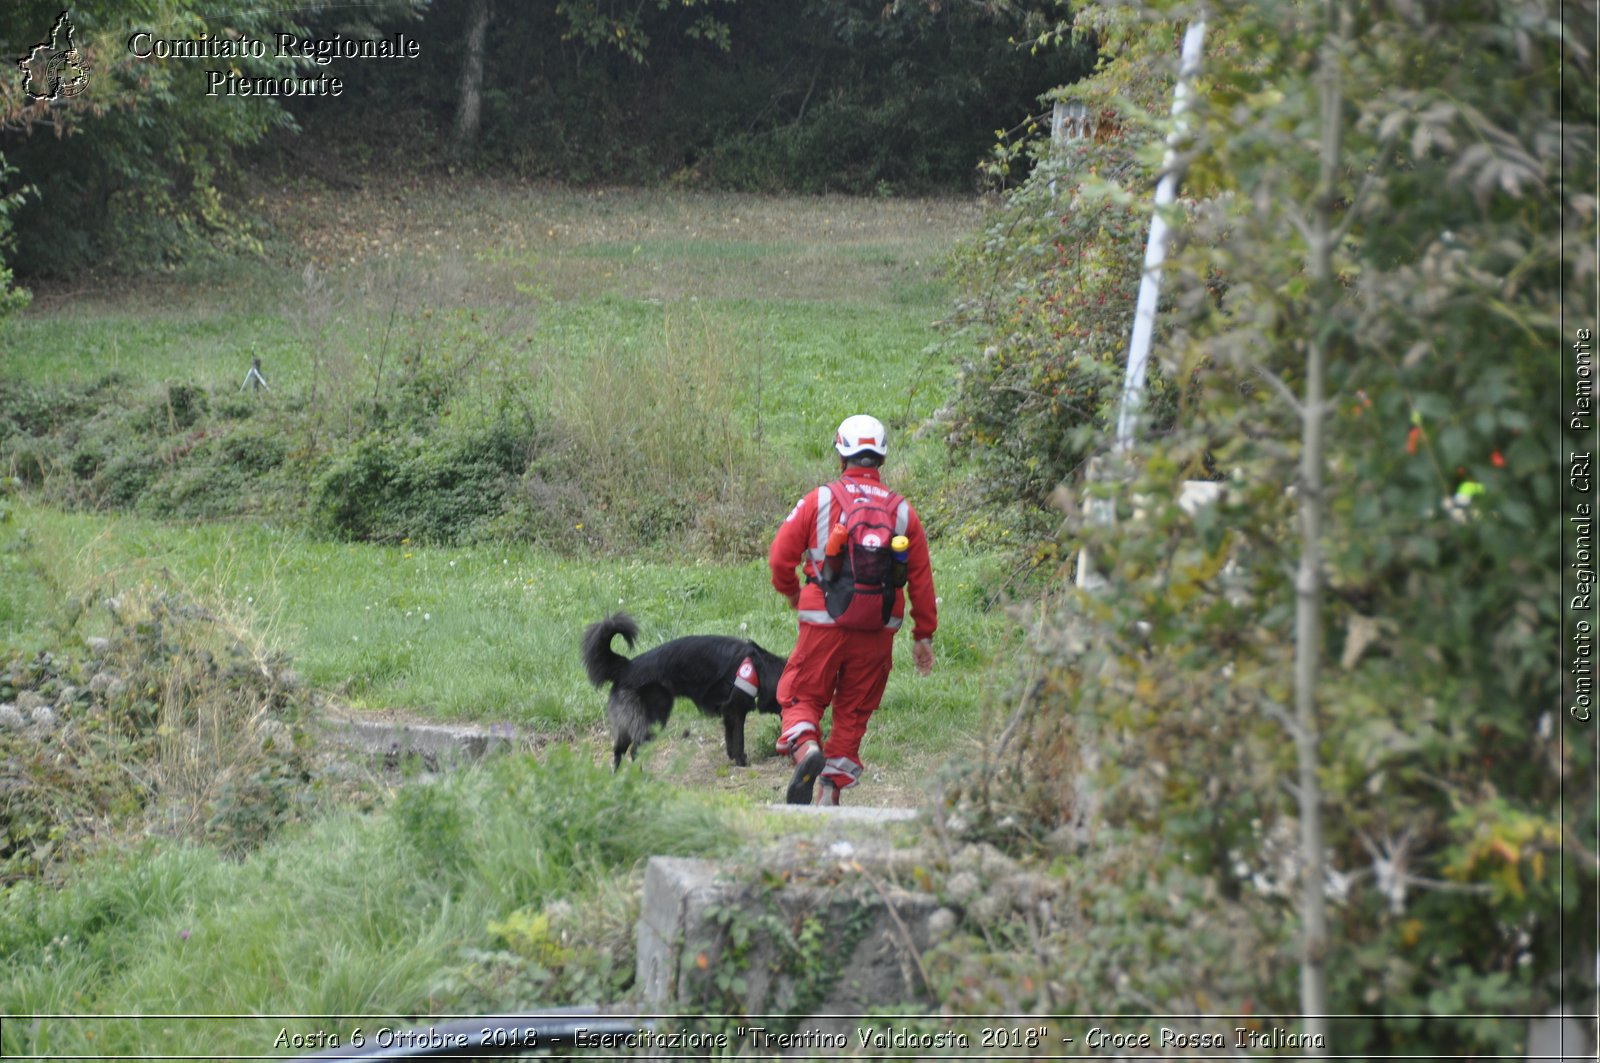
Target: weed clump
177 407
552 942
450 490
174 723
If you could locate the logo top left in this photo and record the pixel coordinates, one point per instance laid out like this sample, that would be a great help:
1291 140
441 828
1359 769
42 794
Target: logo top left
54 69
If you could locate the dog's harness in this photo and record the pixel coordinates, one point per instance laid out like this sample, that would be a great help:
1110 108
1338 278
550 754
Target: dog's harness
747 678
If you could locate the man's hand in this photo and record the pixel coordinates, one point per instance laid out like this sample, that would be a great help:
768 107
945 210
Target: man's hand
922 655
794 600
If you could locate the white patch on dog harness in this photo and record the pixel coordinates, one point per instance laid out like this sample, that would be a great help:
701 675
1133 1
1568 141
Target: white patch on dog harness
747 678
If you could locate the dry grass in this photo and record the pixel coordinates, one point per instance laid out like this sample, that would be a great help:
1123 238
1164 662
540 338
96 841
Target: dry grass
555 243
201 673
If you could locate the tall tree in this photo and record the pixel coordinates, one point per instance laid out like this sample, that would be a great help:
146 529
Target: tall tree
469 101
128 170
1321 240
1388 218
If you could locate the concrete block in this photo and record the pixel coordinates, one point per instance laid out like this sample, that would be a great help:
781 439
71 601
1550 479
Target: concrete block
439 745
677 894
862 937
850 813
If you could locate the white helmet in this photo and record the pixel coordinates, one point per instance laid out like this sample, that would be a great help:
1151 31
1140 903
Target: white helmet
861 433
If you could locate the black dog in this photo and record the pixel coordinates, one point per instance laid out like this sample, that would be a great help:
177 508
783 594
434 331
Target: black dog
709 670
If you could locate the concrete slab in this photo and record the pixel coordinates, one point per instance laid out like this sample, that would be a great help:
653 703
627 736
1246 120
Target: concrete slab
850 813
677 894
440 745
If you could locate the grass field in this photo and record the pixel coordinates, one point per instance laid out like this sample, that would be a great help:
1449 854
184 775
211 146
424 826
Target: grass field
773 318
486 633
358 918
766 320
679 346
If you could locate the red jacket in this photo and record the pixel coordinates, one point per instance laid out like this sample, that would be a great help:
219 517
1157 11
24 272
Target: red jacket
797 539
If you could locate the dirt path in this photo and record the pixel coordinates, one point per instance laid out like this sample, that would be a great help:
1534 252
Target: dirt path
698 759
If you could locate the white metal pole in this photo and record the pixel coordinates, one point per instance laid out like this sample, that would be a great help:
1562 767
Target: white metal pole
1155 253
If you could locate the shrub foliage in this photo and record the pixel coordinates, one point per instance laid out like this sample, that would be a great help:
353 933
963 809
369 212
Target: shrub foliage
1155 714
176 720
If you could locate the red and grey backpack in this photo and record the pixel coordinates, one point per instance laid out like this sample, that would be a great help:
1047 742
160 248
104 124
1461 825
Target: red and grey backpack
860 593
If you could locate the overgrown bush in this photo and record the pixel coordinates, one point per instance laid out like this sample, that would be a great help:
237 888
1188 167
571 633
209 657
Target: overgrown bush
654 441
121 481
256 453
1152 742
179 406
427 461
1043 321
35 410
177 721
445 490
163 453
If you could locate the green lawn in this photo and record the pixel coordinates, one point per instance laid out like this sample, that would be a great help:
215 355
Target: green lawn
482 632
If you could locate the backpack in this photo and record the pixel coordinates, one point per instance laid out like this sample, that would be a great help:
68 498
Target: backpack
860 596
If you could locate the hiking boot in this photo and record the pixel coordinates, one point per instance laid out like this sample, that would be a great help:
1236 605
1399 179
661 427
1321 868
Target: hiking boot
809 762
828 794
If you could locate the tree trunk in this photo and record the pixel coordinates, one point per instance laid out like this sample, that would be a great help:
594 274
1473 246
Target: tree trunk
469 106
1308 578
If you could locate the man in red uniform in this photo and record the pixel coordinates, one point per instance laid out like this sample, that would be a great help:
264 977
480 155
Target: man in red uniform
845 666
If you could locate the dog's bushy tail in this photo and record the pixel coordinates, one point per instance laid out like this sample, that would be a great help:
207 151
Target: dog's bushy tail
604 664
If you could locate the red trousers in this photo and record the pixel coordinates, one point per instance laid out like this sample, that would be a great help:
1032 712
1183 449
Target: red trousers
839 667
